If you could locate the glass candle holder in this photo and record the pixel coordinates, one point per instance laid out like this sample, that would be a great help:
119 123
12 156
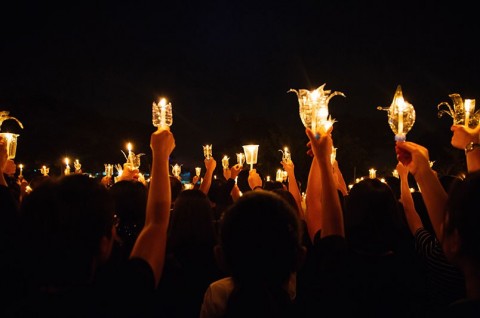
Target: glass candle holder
11 140
251 154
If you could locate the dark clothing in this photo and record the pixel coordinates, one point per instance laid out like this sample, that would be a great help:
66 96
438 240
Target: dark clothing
127 292
184 282
445 282
464 308
321 282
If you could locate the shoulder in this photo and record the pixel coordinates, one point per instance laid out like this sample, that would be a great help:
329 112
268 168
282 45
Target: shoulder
216 298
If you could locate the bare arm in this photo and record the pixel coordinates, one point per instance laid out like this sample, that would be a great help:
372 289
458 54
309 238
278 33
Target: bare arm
210 165
413 219
416 159
151 242
331 213
289 167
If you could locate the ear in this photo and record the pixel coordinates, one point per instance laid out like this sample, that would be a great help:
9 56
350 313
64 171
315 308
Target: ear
220 257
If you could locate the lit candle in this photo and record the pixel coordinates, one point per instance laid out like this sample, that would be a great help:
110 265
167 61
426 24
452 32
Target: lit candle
67 168
401 107
286 155
372 173
268 178
225 162
44 170
284 175
240 159
163 106
469 107
129 148
395 173
108 170
314 101
207 151
197 171
21 170
279 175
77 165
251 154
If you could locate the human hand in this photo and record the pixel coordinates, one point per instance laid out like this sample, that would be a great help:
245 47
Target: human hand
10 167
235 171
402 171
288 166
463 135
210 164
413 156
254 179
321 148
195 179
162 143
128 173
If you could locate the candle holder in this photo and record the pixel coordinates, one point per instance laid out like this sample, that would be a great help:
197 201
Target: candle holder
44 170
198 170
372 173
463 111
20 166
279 175
286 155
176 170
77 166
225 162
240 159
162 114
251 154
207 151
10 138
401 115
313 108
108 170
67 167
133 160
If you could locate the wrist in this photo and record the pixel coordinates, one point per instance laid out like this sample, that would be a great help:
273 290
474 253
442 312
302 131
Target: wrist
471 146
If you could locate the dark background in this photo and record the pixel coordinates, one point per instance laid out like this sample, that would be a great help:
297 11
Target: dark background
82 78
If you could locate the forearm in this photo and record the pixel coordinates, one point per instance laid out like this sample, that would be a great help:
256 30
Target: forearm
434 196
295 191
207 182
413 219
473 160
313 200
332 214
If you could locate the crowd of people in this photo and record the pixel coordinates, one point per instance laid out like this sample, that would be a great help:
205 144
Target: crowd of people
241 246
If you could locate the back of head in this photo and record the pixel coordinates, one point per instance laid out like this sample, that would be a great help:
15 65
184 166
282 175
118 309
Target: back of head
63 221
130 199
463 216
373 220
260 240
191 223
176 187
272 185
242 181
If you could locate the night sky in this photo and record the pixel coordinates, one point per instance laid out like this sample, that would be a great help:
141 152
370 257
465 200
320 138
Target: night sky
82 78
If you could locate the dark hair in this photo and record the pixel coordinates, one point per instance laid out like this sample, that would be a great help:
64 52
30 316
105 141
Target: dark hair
463 216
191 222
63 221
130 197
176 187
271 185
260 237
373 218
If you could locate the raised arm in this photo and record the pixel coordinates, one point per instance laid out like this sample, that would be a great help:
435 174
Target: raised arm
416 159
330 214
413 219
289 167
151 242
210 165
